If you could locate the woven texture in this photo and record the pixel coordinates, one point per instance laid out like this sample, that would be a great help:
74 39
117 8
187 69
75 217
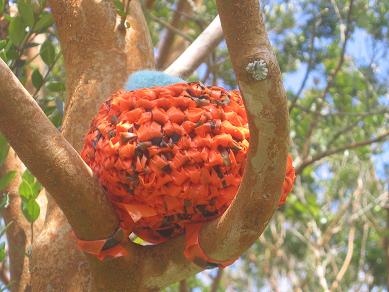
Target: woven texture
168 156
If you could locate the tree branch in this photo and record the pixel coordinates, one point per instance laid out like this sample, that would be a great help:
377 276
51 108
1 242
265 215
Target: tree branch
344 130
347 260
230 235
183 286
386 241
149 4
18 232
310 65
324 154
168 40
52 160
4 278
172 29
197 52
98 63
216 280
330 83
57 165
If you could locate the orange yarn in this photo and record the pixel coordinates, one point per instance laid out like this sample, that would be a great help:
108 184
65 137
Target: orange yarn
170 156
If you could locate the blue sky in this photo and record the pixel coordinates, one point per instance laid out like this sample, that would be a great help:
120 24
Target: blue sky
359 48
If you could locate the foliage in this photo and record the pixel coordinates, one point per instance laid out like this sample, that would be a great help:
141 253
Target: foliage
337 98
340 192
29 190
30 38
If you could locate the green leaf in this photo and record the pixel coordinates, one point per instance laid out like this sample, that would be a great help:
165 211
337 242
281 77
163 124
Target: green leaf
138 240
56 86
45 20
17 30
47 52
3 56
4 202
12 52
2 251
2 5
56 118
3 43
119 8
7 17
30 210
37 78
25 190
30 187
4 147
36 188
26 12
6 179
28 177
119 5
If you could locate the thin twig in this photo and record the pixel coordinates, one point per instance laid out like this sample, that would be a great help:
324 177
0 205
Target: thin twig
309 68
49 69
171 28
22 46
29 252
344 130
340 113
213 68
207 72
380 201
362 252
324 154
342 26
20 49
216 280
347 260
321 272
195 18
183 286
330 83
195 54
328 232
169 47
4 275
387 241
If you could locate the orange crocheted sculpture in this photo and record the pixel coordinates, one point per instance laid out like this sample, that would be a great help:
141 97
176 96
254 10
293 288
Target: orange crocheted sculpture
170 156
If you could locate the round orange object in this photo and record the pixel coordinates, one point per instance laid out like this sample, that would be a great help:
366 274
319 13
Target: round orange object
169 156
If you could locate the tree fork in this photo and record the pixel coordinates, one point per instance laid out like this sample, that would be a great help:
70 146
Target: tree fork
59 265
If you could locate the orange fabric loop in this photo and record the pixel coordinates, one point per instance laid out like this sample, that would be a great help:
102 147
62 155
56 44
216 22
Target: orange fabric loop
194 253
103 248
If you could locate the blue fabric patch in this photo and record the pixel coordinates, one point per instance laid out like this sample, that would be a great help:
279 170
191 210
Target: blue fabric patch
148 78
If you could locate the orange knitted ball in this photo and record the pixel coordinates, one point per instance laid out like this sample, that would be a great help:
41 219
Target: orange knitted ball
168 156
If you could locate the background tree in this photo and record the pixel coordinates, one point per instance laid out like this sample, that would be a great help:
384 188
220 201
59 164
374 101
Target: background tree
332 233
97 59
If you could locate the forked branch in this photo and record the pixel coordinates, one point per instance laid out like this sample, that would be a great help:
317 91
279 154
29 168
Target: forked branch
230 235
60 169
52 159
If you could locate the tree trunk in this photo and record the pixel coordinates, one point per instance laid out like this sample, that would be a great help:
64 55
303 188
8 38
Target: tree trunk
99 55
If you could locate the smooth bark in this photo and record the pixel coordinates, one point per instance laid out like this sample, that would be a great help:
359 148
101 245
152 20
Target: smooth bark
94 57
